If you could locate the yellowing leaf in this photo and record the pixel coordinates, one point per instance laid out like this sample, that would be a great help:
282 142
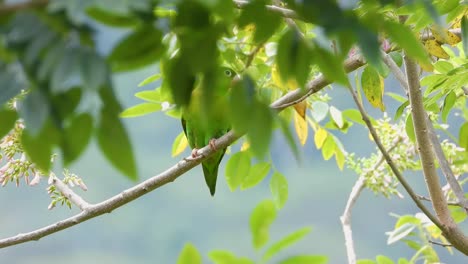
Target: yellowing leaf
320 137
302 130
373 86
434 48
291 84
427 66
179 145
340 158
245 146
444 36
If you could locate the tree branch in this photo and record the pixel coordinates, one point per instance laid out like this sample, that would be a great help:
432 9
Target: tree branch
346 219
425 147
69 193
6 9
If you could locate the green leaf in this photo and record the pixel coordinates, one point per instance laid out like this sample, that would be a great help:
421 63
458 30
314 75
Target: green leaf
34 110
400 233
8 118
409 128
38 147
403 261
260 131
256 174
463 136
260 220
266 22
112 136
285 242
237 168
242 104
449 102
397 58
65 74
330 65
153 96
305 259
227 257
404 37
279 189
150 79
189 255
76 136
384 260
328 148
11 86
111 19
141 109
373 87
94 70
353 115
140 48
464 33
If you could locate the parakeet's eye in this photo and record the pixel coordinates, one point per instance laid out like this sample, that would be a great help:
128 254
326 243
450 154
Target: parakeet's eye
228 73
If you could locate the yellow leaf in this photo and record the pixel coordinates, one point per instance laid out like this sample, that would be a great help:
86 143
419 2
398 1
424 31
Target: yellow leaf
291 84
444 36
302 130
340 158
426 66
434 48
320 137
245 146
373 86
301 108
179 145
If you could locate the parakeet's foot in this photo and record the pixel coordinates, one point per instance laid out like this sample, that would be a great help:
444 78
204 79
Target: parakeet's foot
194 155
212 144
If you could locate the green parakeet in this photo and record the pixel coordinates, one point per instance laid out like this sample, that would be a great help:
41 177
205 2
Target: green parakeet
201 127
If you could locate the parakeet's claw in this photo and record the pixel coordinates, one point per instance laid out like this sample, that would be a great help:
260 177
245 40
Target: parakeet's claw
194 155
212 144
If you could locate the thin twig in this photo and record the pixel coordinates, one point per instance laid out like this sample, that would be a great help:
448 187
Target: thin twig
424 198
440 244
69 193
346 219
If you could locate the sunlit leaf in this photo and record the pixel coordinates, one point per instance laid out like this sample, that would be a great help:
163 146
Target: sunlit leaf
189 255
305 259
256 174
285 242
179 145
373 87
320 137
400 233
141 109
260 220
237 168
279 189
463 136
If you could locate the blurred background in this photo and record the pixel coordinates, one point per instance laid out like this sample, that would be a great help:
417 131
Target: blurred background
154 228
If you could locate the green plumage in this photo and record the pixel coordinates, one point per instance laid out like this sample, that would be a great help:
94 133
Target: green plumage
201 126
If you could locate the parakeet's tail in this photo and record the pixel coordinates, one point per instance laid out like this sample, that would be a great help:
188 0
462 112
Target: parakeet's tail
211 175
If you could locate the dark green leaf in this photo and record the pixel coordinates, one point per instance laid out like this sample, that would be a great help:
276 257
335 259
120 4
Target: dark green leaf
285 242
242 104
39 148
110 18
76 136
66 74
94 72
260 130
330 65
8 118
260 220
140 48
10 86
464 33
34 110
181 80
404 37
266 22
